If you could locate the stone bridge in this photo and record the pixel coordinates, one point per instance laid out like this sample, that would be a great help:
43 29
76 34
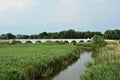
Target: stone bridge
44 40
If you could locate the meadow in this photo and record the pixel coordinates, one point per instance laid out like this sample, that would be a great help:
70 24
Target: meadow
31 61
106 65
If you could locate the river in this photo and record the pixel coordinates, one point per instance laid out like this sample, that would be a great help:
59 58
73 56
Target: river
73 71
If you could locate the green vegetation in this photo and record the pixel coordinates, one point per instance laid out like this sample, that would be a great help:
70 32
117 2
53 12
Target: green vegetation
86 44
30 61
112 34
66 34
106 64
96 43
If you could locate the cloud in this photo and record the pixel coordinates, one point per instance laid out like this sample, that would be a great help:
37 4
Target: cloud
9 10
17 5
58 12
67 11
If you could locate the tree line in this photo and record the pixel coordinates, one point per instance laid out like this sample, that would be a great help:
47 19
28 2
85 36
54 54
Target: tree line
66 34
112 34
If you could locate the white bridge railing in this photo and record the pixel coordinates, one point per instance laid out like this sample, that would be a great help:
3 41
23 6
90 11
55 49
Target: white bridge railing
53 40
44 40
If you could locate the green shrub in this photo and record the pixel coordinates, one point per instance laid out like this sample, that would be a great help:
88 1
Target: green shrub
98 41
15 42
86 44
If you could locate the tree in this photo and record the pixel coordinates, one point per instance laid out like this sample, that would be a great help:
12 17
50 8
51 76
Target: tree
25 37
118 33
43 35
7 36
53 36
70 34
112 34
3 36
33 36
19 36
98 40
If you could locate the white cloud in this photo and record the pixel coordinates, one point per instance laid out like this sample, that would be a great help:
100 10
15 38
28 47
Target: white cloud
67 11
60 12
12 6
17 5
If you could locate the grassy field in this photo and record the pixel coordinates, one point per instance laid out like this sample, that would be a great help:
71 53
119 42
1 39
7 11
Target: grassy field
106 64
29 61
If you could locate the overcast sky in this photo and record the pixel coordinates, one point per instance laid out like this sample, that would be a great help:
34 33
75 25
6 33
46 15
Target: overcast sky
35 16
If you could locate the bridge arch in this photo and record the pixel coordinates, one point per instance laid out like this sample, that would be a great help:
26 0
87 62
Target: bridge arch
38 42
88 40
81 41
74 42
57 41
28 42
15 42
67 42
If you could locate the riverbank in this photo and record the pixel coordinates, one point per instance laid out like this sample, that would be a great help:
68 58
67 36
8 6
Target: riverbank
31 61
106 64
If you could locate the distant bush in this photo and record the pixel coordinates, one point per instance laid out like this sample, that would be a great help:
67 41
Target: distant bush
98 41
49 41
15 42
66 42
86 44
74 42
88 41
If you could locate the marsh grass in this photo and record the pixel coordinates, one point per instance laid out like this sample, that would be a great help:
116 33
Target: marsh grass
106 64
86 44
30 61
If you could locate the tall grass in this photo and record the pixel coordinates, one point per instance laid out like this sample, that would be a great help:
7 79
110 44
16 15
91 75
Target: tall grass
29 61
86 45
106 65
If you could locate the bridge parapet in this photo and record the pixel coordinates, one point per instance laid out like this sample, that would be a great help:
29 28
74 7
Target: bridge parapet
44 40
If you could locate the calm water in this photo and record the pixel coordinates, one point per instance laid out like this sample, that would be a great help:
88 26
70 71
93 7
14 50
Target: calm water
74 71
